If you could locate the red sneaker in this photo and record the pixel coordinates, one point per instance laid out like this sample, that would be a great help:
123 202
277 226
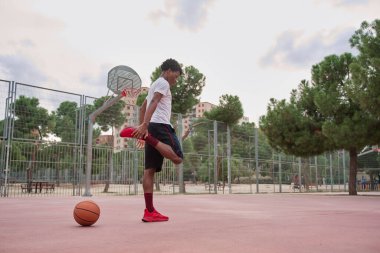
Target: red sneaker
127 132
153 216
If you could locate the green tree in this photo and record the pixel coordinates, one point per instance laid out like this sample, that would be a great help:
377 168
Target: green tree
295 127
321 117
366 70
197 143
346 125
243 140
32 120
140 99
187 90
112 117
229 110
66 117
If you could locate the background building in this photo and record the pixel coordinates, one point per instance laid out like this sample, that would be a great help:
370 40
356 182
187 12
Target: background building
197 112
131 113
244 119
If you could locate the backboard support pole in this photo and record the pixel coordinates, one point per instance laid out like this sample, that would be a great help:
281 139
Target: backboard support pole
91 121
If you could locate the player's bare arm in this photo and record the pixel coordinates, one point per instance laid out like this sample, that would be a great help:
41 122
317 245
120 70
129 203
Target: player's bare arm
142 130
142 112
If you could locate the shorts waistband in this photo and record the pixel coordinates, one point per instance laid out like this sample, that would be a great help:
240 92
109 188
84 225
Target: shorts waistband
159 124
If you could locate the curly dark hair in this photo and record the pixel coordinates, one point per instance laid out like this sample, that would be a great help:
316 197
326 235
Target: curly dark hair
171 64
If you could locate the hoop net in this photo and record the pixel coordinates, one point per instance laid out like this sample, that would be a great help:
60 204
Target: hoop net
131 92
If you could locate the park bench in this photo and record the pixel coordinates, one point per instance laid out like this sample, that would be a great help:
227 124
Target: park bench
38 186
220 186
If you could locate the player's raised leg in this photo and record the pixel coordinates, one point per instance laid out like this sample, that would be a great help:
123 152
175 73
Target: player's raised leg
164 149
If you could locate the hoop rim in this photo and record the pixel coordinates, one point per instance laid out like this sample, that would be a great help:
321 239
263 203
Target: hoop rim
132 92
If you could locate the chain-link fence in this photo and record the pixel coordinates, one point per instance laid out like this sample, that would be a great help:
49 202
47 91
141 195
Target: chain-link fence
43 145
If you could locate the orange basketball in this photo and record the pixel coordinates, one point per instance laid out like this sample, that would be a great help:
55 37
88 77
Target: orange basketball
86 212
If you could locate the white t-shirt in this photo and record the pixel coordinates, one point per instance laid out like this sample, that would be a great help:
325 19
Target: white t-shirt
164 107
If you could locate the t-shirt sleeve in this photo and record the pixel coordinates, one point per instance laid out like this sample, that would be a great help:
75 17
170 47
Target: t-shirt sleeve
162 87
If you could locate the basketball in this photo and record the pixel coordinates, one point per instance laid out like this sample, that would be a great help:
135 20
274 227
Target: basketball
86 213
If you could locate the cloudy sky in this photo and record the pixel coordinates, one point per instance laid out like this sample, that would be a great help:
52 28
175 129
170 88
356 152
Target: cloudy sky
250 48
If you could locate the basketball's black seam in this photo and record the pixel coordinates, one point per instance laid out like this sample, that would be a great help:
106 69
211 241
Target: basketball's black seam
87 210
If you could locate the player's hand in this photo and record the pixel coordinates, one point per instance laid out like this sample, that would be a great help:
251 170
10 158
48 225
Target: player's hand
141 131
140 144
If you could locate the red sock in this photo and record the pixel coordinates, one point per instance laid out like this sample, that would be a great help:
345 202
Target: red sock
149 201
151 140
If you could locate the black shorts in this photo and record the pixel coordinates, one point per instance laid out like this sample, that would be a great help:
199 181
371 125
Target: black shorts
166 134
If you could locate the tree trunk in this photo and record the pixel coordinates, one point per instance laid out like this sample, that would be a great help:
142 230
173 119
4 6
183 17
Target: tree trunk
108 173
29 176
29 171
304 177
353 171
219 167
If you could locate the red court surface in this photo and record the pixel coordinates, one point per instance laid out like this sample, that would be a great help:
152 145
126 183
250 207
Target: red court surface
282 223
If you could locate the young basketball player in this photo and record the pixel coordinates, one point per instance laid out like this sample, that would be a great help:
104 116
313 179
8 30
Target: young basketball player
156 130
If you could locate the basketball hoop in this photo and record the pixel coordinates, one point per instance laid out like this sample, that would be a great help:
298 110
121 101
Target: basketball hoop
122 78
131 92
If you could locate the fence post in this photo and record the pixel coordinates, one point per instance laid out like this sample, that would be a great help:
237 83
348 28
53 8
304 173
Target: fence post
280 171
135 156
257 159
87 191
331 174
8 133
229 158
215 156
181 183
300 173
208 161
316 172
81 140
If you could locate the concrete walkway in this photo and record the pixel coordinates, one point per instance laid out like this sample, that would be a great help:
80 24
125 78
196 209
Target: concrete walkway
286 223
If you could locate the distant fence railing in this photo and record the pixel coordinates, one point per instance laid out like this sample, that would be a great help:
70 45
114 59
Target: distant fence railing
43 152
